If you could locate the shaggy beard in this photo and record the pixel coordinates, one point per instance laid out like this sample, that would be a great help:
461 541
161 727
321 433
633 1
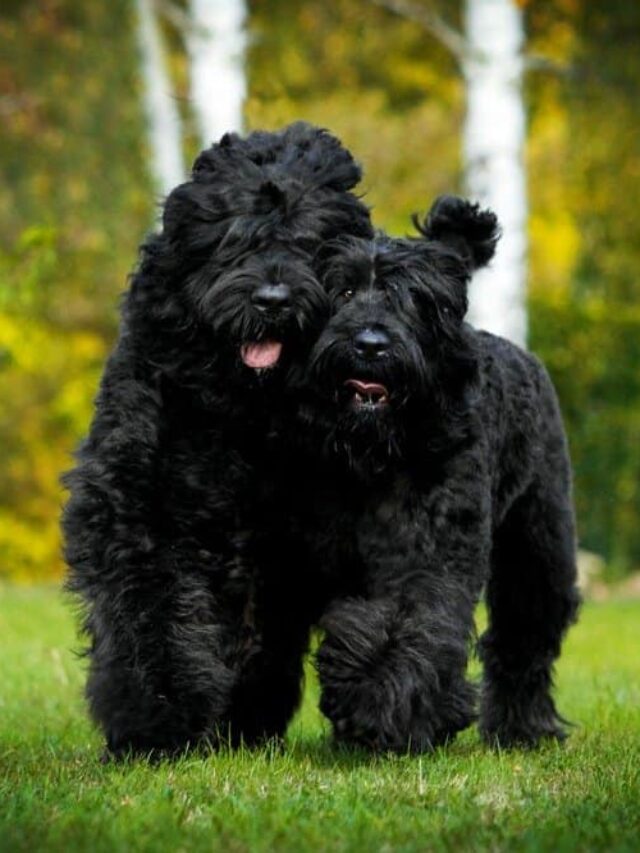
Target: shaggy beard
366 440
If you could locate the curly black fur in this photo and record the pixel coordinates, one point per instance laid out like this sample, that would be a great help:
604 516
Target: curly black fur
444 470
168 499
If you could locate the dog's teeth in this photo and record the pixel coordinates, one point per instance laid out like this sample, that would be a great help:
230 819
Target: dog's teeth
369 399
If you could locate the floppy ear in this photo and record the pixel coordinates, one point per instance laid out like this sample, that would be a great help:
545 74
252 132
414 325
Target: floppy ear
464 226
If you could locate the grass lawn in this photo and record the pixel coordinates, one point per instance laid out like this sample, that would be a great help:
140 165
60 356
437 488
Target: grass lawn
55 795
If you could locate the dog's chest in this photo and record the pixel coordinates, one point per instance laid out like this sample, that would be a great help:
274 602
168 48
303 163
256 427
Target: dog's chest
349 530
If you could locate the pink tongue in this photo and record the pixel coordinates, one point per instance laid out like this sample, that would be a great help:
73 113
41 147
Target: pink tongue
366 387
262 354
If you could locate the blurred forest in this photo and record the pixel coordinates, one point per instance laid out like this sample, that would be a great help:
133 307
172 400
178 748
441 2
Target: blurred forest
76 197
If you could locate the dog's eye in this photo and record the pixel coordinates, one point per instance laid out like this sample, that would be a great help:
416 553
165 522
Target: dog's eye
347 294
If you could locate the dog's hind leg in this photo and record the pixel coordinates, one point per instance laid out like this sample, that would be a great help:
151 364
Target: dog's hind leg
532 599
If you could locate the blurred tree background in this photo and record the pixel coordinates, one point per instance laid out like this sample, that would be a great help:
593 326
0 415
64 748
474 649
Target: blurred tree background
76 198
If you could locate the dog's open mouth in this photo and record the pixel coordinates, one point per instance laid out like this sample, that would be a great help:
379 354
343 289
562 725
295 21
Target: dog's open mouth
369 395
260 355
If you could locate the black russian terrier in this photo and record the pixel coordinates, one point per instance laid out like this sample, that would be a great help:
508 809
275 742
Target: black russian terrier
273 451
167 499
435 466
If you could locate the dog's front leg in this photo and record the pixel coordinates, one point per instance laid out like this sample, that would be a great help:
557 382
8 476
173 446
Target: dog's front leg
392 673
160 625
392 666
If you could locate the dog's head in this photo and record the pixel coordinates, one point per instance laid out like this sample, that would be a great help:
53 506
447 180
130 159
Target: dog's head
233 271
396 345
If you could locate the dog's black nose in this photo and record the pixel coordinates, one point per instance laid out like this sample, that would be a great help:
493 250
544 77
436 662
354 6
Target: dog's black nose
371 343
269 297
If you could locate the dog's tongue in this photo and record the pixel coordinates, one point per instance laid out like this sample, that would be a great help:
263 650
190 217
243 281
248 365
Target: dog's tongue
261 354
367 388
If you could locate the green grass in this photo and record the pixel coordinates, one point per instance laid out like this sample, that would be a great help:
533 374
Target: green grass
55 795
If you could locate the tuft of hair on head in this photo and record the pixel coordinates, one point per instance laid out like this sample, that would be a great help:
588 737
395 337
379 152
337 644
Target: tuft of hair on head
464 226
243 189
309 154
319 158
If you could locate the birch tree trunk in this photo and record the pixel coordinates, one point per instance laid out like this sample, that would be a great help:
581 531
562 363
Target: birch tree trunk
494 138
216 45
163 119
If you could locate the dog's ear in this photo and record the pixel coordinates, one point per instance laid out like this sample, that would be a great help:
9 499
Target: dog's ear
464 226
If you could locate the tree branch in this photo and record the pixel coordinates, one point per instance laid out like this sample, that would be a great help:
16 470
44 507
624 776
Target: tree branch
180 19
455 41
431 21
536 62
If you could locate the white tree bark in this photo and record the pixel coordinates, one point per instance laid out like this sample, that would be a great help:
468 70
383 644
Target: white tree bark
216 45
163 119
494 138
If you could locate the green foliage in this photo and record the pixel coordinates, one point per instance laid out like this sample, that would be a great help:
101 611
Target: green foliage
592 349
584 164
385 86
74 202
56 795
47 380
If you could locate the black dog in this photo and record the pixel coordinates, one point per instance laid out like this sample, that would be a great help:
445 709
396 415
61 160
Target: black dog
436 465
168 498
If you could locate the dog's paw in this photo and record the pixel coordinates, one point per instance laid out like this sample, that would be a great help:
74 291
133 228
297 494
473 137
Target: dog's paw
516 725
360 718
520 734
382 718
379 689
